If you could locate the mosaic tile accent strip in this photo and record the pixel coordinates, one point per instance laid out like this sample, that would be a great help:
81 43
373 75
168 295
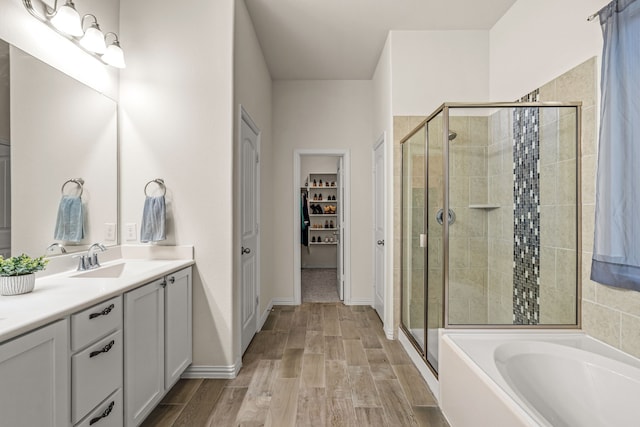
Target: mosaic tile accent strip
526 196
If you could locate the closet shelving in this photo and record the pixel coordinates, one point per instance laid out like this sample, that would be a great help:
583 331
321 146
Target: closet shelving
324 187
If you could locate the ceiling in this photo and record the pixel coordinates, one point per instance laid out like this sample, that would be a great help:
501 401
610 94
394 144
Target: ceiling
342 39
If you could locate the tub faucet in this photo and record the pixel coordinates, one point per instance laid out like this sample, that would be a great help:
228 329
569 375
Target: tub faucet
92 255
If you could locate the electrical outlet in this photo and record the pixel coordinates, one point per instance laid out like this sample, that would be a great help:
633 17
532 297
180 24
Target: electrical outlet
110 232
130 232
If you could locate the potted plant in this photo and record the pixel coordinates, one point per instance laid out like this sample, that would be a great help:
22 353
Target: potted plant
17 274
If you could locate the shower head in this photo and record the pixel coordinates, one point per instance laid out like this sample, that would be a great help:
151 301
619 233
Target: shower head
452 135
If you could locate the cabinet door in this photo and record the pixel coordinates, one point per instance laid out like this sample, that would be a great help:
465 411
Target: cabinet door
178 349
144 350
34 373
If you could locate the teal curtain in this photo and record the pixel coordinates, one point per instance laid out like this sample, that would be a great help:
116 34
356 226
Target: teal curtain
616 251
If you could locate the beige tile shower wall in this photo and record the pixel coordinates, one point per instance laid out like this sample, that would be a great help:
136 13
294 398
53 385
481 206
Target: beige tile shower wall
609 314
557 216
500 219
468 234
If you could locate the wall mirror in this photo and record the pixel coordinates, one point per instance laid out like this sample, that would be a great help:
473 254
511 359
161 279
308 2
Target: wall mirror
52 129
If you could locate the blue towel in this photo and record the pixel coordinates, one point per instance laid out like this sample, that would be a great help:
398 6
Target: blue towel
70 222
153 220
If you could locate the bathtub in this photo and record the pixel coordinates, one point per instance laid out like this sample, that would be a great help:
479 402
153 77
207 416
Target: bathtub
536 379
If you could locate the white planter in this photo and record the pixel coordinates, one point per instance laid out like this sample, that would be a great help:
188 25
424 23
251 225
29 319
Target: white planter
16 285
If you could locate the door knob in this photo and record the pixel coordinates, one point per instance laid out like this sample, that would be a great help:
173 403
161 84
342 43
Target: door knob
245 251
380 242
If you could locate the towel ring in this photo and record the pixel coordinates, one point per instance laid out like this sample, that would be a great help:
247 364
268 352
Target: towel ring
160 183
78 181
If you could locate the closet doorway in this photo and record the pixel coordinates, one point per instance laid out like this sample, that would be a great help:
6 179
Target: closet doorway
321 203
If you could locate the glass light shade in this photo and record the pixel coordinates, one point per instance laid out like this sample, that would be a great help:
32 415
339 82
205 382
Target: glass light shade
114 56
67 20
93 40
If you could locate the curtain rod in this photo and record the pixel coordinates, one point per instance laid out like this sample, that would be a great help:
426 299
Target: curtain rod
593 16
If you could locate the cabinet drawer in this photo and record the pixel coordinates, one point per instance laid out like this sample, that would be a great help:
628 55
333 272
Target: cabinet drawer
95 373
108 414
95 322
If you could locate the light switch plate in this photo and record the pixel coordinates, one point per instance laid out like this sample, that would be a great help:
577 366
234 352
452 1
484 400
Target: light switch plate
110 232
130 232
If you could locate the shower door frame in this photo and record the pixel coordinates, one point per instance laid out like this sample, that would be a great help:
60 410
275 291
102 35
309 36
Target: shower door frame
445 109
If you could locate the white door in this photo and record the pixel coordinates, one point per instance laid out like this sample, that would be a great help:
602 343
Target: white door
378 225
340 232
249 231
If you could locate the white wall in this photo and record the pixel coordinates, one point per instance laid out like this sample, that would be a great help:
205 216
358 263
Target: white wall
4 93
176 123
536 41
24 31
252 89
327 114
432 67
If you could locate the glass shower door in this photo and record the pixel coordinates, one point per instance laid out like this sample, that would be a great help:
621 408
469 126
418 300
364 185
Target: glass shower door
435 202
413 255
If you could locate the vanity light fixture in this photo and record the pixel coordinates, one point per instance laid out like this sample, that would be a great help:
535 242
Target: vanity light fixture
93 39
114 55
66 21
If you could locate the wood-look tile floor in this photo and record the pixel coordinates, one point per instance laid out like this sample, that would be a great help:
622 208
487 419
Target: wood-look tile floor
317 364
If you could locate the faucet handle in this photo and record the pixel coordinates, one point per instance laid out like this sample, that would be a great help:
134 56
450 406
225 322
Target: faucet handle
83 262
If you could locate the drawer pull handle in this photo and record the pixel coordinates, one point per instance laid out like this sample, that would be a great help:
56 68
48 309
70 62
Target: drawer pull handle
104 349
105 414
102 313
172 280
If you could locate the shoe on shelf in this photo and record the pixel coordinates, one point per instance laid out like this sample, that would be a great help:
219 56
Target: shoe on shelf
315 183
331 224
320 196
326 224
320 183
313 239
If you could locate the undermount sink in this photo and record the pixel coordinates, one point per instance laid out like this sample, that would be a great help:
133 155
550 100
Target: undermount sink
109 272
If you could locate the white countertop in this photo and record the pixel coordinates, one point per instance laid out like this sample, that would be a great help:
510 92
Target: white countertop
59 295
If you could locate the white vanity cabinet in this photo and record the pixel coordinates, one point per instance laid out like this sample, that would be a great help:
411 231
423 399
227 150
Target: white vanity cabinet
157 333
34 378
96 365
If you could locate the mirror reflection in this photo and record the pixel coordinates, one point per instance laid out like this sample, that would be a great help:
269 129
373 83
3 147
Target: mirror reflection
54 129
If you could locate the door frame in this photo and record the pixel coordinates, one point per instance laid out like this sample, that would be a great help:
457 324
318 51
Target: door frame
346 239
243 115
381 142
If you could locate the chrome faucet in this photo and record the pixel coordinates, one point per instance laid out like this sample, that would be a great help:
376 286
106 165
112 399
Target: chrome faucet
92 256
52 246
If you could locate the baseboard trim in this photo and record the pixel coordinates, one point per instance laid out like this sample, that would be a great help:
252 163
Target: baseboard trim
359 301
282 301
213 372
389 333
426 373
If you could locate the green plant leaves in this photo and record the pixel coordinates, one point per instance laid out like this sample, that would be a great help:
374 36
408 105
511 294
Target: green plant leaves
22 264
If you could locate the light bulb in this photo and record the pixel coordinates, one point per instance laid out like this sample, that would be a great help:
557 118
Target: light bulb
114 55
93 39
67 20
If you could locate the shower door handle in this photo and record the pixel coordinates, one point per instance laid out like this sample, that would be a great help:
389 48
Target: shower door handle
380 242
440 216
